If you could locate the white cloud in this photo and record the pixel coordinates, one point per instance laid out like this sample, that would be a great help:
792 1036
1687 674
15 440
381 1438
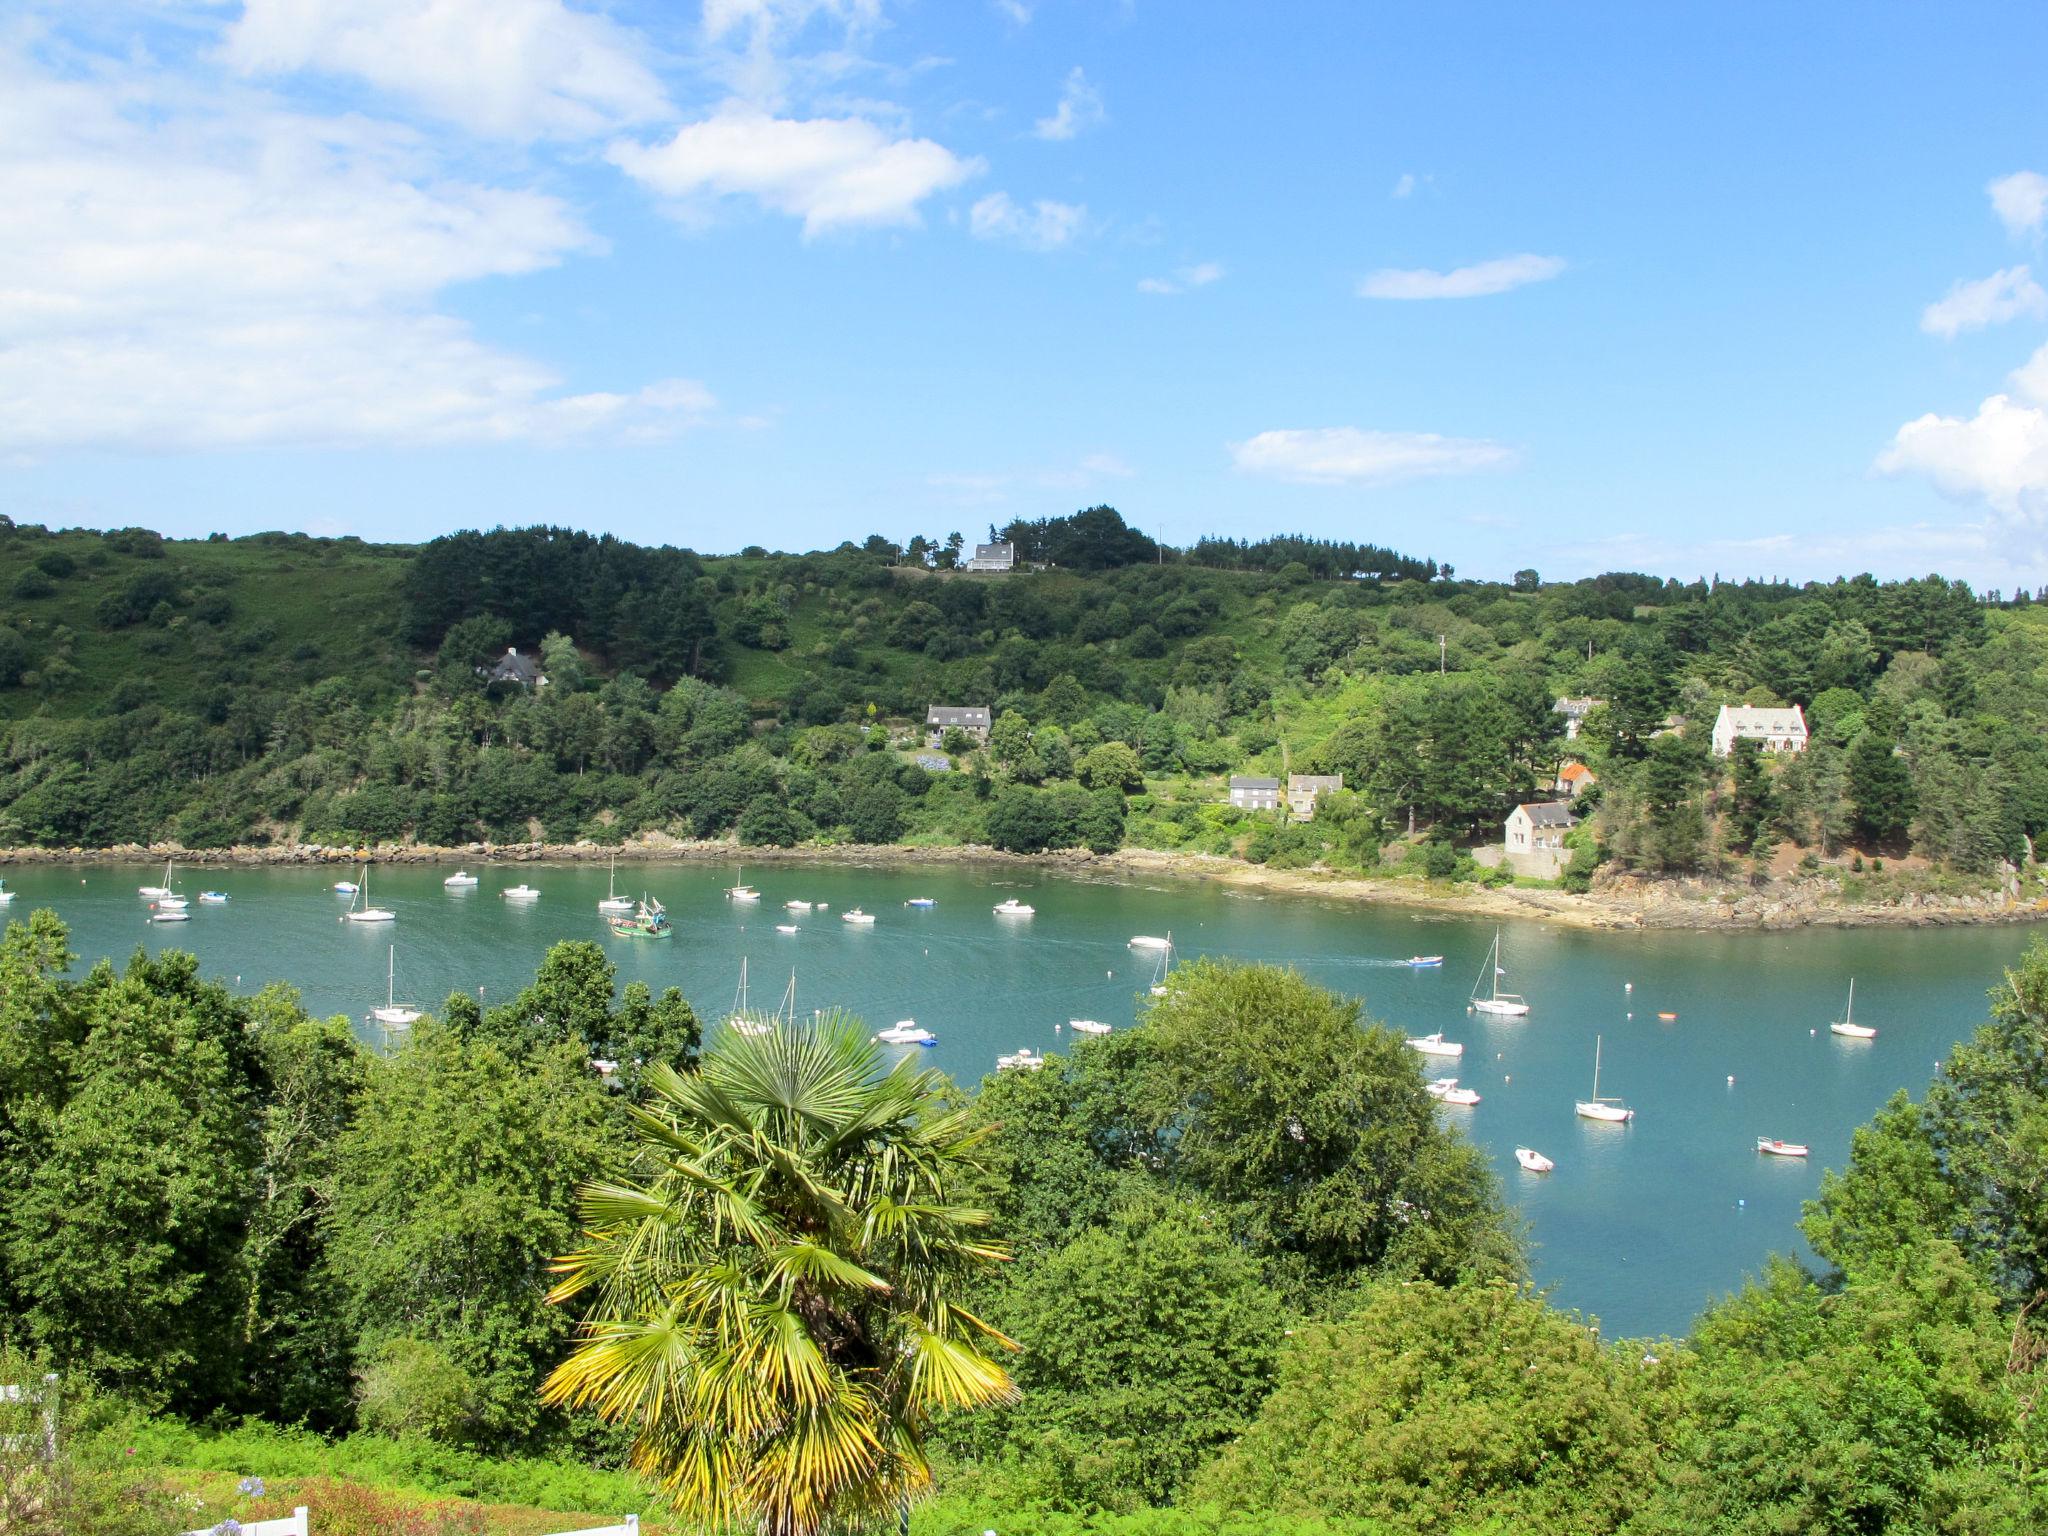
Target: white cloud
1405 185
829 172
2021 201
216 271
1200 275
1044 226
1079 110
1015 12
1351 456
1488 277
2007 295
1999 456
511 68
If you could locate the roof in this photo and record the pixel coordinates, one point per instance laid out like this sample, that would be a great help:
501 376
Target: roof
1571 773
975 715
995 551
1576 707
1547 813
1744 719
1315 781
1243 781
515 668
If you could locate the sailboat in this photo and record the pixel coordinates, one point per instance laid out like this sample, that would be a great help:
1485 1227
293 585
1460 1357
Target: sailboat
648 921
613 901
394 1013
155 891
1597 1108
1165 965
360 910
1508 1005
1150 941
742 891
1846 1025
742 1018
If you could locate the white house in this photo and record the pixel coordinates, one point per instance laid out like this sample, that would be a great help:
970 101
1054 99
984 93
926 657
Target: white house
941 718
1254 794
1575 712
993 557
1304 789
520 671
1542 825
1780 730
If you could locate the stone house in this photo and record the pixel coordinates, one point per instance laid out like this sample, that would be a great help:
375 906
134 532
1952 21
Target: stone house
1249 793
1780 730
1304 789
941 718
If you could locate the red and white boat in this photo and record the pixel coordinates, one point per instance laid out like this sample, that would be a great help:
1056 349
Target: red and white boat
1771 1146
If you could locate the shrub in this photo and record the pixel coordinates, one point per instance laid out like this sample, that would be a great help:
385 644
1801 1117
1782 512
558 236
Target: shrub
412 1387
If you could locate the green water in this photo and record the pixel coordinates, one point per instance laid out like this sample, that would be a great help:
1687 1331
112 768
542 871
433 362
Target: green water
1640 1224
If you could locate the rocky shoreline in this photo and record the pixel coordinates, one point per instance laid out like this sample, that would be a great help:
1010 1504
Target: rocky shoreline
1618 904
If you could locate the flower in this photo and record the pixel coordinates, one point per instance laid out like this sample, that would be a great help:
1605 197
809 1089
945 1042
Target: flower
251 1486
228 1527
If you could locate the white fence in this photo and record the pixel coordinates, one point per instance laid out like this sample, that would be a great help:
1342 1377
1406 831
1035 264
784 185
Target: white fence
294 1526
45 1396
630 1528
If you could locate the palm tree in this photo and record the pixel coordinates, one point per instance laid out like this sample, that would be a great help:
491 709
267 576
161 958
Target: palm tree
773 1302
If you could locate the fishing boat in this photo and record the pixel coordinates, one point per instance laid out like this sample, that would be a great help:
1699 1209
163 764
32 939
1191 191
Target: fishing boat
1597 1108
920 901
154 891
461 880
742 891
787 928
742 1018
796 906
1507 1005
520 893
1023 1059
1014 908
858 918
1532 1160
394 1013
213 898
1445 1090
613 901
648 920
1147 941
1423 962
360 910
1165 965
1435 1045
906 1032
1772 1147
1088 1026
1846 1025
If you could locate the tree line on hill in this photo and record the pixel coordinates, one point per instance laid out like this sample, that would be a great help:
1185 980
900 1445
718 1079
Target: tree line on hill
1230 1262
779 699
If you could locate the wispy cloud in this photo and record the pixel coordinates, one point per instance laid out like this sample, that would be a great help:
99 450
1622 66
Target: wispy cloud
1487 277
1044 226
1353 456
1405 186
2008 295
1200 275
1015 12
2021 201
992 488
1079 110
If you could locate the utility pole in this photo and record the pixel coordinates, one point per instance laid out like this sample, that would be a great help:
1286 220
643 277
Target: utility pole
1442 645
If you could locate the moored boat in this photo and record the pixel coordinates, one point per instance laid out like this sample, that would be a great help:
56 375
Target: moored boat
742 891
1533 1161
1148 941
858 918
394 1014
359 908
1772 1147
159 913
1088 1026
906 1032
520 893
1423 962
1023 1059
920 901
1435 1045
1846 1026
1445 1090
613 902
1014 908
213 898
1609 1110
1507 1005
648 920
154 891
461 880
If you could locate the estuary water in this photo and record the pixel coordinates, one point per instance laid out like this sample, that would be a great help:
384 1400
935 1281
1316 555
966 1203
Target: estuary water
1639 1226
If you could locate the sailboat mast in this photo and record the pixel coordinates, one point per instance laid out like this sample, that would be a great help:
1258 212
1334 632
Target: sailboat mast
1850 1016
1596 1069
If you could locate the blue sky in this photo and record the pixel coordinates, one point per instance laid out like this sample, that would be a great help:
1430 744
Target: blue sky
1736 289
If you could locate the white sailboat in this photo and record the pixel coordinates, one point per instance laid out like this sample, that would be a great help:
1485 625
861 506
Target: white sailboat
1435 1045
394 1013
359 908
742 891
5 894
1507 1005
613 901
1596 1108
1149 941
1165 965
1846 1025
744 1019
155 891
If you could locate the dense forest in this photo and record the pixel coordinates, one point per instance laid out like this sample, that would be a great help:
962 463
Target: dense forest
281 688
1226 1271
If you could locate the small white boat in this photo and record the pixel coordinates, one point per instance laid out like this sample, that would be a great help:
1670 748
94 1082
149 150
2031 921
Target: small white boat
613 901
1088 1026
1609 1110
1014 908
163 914
5 894
1148 941
1772 1147
170 903
920 901
742 891
1506 1005
1533 1160
906 1032
1445 1090
520 893
213 898
394 1014
858 918
461 880
345 887
786 928
796 906
1846 1025
1023 1059
154 891
1423 962
1435 1045
365 913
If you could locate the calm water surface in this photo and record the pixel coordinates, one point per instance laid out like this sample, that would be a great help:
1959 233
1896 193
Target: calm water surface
1640 1224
